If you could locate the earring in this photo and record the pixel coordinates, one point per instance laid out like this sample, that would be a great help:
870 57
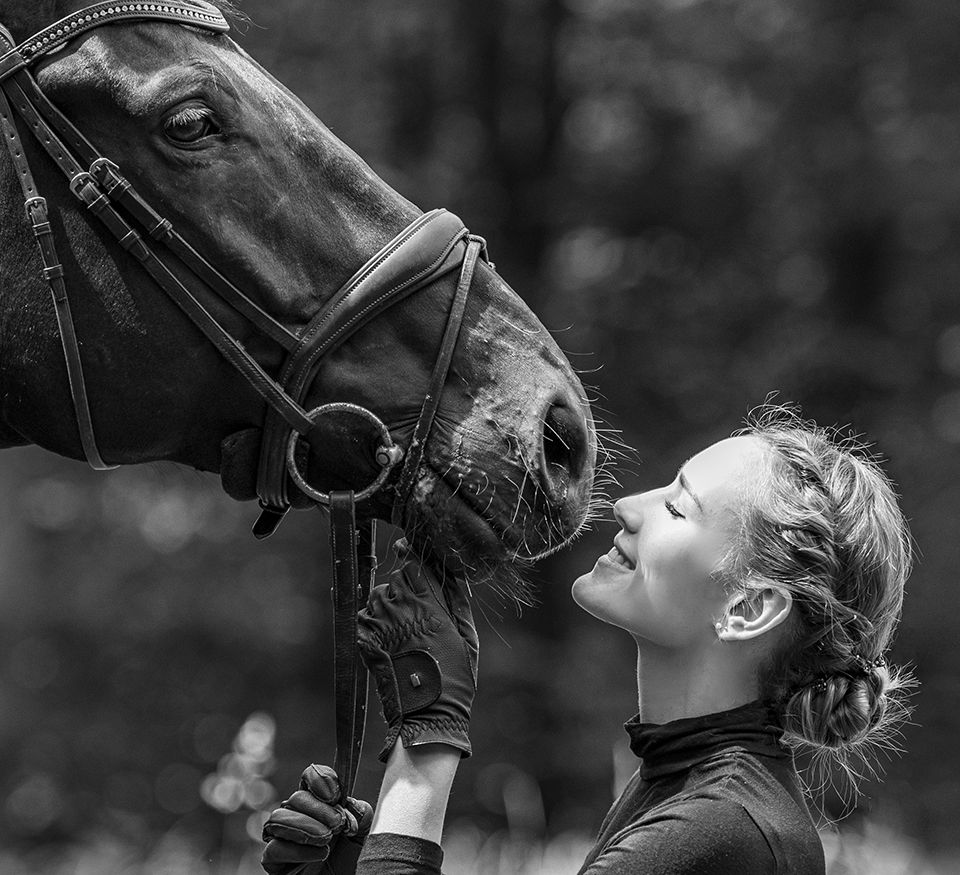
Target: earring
719 627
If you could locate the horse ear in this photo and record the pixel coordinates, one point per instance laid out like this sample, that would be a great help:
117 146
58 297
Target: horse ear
239 458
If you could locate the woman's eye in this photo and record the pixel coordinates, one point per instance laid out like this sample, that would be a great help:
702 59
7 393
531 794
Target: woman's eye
672 509
190 125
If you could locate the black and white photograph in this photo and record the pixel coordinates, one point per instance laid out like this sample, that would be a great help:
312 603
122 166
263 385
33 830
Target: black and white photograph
504 438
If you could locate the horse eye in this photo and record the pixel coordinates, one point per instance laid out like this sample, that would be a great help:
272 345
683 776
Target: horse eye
190 125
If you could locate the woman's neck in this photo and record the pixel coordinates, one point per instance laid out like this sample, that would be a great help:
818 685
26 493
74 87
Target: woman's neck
675 684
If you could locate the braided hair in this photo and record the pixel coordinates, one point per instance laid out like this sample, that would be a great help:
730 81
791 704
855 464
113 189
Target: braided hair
822 523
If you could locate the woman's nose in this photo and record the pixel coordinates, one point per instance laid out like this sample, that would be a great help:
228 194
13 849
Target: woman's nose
626 511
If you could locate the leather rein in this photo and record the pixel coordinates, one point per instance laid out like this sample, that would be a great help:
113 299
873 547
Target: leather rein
432 246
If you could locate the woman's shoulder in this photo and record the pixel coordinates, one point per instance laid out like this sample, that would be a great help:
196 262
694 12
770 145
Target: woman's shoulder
690 834
716 831
752 780
767 791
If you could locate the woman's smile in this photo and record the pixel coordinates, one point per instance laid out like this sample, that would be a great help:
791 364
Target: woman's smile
618 558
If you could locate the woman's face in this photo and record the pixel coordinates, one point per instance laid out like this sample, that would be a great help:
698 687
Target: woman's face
656 581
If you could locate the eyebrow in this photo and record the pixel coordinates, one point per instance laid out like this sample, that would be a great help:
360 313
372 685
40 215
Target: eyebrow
685 484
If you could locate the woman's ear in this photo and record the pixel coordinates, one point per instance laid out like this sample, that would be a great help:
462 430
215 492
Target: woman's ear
751 614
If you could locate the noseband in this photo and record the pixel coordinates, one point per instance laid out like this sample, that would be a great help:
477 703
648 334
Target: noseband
434 245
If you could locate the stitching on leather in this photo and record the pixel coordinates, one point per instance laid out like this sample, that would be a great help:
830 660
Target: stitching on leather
318 351
395 634
393 247
412 727
412 281
299 383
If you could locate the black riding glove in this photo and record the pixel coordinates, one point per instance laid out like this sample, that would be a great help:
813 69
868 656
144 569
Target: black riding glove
310 834
418 639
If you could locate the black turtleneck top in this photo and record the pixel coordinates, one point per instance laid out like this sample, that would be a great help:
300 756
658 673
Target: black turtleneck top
714 795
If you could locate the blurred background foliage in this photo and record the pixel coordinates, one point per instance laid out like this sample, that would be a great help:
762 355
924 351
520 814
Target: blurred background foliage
706 201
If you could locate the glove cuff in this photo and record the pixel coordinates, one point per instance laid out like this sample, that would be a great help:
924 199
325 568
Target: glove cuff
437 730
431 730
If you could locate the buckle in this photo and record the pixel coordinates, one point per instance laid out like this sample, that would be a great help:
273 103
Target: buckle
80 182
105 172
40 203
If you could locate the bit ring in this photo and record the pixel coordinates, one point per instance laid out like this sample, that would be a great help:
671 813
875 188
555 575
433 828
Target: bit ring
387 455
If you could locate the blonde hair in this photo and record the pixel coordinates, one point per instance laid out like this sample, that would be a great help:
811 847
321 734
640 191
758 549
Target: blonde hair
823 523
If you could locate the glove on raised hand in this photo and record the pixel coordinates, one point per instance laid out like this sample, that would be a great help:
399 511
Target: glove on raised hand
419 642
310 834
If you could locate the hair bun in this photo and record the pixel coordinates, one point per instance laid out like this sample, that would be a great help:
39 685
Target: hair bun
838 710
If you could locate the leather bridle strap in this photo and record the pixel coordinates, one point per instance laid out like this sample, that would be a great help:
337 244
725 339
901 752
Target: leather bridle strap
36 209
354 568
431 402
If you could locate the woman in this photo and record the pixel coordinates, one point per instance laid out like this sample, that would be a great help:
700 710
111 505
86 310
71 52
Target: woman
762 587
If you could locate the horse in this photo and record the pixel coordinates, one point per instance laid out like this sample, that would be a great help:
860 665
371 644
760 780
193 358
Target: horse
286 212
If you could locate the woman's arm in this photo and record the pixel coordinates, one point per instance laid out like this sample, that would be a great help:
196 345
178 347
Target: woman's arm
415 789
405 836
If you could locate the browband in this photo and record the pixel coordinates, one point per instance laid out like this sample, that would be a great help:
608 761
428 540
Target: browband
191 12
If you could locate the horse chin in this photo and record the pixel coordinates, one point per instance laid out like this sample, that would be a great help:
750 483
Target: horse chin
447 528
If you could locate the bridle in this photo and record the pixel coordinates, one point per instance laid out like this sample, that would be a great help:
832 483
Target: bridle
434 245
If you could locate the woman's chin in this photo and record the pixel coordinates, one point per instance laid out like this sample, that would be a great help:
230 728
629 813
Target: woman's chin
581 591
592 591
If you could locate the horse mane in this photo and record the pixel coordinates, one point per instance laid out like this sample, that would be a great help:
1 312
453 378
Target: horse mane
231 11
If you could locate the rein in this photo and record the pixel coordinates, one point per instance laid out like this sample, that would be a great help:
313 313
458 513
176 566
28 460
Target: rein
432 246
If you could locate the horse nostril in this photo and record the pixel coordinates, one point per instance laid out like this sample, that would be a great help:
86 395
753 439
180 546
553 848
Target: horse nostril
564 449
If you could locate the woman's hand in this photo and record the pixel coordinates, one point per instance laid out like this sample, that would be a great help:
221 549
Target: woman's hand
310 834
418 639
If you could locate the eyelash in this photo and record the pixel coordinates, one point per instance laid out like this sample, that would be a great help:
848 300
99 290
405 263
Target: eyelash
672 510
190 114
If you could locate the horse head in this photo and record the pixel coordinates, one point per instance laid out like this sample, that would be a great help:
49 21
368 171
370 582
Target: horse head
286 213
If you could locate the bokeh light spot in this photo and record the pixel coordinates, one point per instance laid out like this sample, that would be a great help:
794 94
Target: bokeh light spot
34 805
